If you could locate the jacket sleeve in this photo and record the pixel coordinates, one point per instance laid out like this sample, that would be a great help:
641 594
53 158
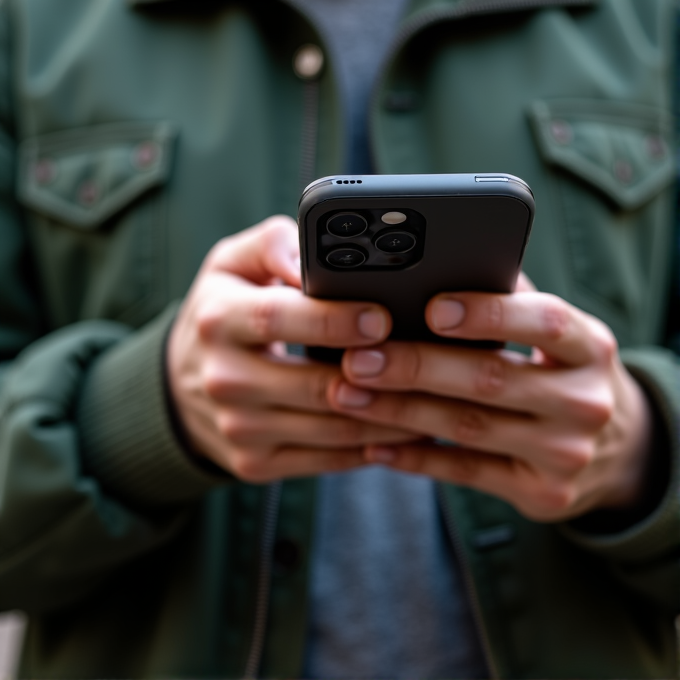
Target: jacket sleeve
645 557
91 473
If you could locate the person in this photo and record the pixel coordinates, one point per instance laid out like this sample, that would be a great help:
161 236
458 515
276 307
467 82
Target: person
181 497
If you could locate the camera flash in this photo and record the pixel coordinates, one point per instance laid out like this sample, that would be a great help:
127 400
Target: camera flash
393 218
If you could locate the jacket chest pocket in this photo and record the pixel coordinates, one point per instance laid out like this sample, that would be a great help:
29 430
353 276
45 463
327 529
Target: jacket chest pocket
96 216
612 165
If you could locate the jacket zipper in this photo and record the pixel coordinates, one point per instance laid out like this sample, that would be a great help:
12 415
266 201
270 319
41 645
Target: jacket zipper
308 146
310 127
468 583
310 110
463 10
264 573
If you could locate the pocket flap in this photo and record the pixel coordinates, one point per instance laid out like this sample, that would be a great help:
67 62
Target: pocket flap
84 176
621 149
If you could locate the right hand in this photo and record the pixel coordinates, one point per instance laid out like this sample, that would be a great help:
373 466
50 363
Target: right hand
243 403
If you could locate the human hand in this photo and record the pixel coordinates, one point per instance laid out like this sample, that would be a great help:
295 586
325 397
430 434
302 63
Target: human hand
557 434
243 403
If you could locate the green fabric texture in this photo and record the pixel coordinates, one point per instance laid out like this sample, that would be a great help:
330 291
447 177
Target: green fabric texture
135 453
134 136
71 543
120 162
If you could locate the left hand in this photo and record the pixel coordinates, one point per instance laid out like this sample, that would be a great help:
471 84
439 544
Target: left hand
557 434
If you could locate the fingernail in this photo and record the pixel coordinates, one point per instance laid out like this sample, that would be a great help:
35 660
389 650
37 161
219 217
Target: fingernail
447 314
366 362
351 397
372 325
381 454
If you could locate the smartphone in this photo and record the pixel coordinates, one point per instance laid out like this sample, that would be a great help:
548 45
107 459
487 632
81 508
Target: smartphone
398 240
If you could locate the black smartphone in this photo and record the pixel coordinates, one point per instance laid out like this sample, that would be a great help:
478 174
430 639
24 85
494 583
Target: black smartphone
398 240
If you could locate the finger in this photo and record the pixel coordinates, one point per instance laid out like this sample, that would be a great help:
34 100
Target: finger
537 441
483 471
524 284
268 250
290 461
244 377
255 315
507 478
501 379
560 330
250 427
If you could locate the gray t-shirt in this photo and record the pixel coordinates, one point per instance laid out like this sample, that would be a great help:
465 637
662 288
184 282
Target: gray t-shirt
358 33
387 599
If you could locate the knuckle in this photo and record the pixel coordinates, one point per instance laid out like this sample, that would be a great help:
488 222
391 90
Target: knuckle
494 314
573 456
247 467
555 498
274 224
593 409
556 316
212 382
582 455
234 427
469 425
491 377
318 385
208 321
410 363
212 387
218 252
265 319
323 327
221 384
607 347
599 411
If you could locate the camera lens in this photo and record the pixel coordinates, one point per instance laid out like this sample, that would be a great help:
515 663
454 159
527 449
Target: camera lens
346 225
346 257
395 242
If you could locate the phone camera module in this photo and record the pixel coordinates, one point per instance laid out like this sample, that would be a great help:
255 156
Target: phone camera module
395 242
346 225
346 257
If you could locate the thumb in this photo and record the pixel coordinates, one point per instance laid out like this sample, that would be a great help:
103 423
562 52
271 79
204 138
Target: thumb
266 251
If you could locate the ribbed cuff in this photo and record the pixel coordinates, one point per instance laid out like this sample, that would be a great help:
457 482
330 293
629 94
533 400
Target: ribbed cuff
127 438
658 373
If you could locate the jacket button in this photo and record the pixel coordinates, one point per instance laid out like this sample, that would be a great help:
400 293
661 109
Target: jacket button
308 62
623 171
88 193
286 555
561 131
145 155
44 171
656 147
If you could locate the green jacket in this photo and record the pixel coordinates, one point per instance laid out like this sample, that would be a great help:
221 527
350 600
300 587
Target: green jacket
132 137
